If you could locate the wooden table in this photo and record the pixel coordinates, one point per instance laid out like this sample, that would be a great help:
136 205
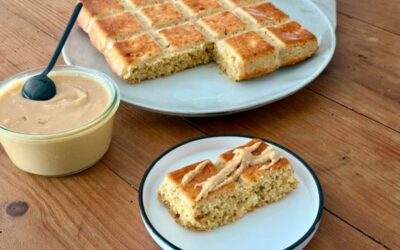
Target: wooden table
346 124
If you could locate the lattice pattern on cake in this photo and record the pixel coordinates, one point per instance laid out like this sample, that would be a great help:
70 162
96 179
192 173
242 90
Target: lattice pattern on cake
145 39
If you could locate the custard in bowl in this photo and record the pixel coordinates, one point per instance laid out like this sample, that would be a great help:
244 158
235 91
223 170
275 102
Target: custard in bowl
65 134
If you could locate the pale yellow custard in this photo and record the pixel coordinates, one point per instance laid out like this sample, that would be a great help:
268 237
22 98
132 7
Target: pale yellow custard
79 100
65 134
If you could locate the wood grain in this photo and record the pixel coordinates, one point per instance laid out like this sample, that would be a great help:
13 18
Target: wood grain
139 137
55 14
365 71
19 39
335 234
354 157
91 210
379 13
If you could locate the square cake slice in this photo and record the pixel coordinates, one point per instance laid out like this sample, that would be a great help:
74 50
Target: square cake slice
246 55
296 42
107 30
186 48
264 14
181 36
94 9
222 24
203 195
200 7
160 15
143 57
126 57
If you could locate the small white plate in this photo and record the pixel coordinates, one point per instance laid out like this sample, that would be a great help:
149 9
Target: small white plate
205 90
287 224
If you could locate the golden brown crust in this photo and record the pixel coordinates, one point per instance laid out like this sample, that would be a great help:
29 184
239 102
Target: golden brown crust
141 2
253 173
255 187
94 9
176 176
249 45
222 23
291 33
83 20
115 26
200 6
265 13
298 43
236 3
228 155
118 25
190 191
254 52
182 35
100 8
138 48
161 14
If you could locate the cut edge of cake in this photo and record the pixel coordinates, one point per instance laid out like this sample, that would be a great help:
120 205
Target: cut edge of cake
216 48
179 53
172 63
254 188
246 55
296 43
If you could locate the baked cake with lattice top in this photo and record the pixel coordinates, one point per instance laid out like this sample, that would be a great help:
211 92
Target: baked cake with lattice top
146 39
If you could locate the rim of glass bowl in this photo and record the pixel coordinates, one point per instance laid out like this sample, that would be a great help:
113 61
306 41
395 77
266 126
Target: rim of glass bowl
100 76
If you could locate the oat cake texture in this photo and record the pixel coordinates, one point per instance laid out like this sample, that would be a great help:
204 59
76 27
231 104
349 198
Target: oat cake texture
239 188
146 39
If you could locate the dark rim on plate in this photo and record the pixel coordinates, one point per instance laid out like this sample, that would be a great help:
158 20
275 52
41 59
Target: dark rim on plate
297 243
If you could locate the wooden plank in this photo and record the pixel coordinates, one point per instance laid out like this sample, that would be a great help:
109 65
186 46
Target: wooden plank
139 137
354 157
94 209
19 39
329 234
55 13
335 234
380 13
364 73
125 143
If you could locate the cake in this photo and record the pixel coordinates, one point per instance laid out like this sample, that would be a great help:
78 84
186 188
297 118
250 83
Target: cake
206 195
146 39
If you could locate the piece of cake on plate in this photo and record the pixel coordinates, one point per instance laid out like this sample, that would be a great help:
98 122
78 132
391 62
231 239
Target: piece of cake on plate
204 195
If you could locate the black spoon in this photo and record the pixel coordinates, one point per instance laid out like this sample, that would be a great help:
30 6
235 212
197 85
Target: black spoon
41 87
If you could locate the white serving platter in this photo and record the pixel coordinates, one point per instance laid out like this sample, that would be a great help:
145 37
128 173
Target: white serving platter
205 90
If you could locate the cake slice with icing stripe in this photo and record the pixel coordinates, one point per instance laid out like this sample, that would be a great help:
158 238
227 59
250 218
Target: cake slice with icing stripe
203 195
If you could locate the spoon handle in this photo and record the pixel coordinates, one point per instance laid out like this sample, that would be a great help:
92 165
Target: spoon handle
63 39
